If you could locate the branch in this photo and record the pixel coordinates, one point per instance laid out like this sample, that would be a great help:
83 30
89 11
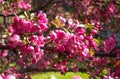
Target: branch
4 21
103 54
57 1
30 69
97 54
4 47
48 48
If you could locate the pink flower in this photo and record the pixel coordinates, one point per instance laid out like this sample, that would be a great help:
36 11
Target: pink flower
10 29
117 71
1 76
57 35
42 26
4 53
37 40
96 13
98 25
77 77
60 34
94 31
63 20
7 12
70 23
117 51
42 18
109 44
62 66
111 8
53 35
1 1
14 40
24 5
42 64
10 76
80 30
94 44
42 21
26 49
21 26
109 11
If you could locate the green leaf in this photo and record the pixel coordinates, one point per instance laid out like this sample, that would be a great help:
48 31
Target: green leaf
57 22
98 41
104 72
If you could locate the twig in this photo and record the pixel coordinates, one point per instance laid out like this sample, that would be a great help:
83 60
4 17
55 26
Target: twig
24 70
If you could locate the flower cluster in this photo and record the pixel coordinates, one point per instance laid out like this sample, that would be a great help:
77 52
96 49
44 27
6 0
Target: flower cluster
109 45
9 76
75 44
27 36
24 5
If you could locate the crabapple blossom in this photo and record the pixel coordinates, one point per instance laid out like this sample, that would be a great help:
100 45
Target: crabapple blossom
4 53
109 11
77 77
1 76
10 77
24 5
1 1
14 40
109 44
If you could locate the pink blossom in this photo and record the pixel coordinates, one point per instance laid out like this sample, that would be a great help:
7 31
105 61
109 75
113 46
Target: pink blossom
77 77
96 14
109 77
109 44
80 30
111 8
62 66
63 20
117 71
117 51
42 21
37 40
70 23
42 26
53 35
26 49
14 40
7 12
42 18
24 5
60 34
1 76
57 35
42 64
21 26
10 29
94 31
94 44
4 53
109 11
98 25
1 1
10 77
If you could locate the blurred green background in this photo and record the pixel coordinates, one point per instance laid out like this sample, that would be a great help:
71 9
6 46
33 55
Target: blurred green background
57 75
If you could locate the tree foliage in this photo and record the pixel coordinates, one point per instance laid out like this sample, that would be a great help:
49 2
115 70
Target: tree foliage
62 35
